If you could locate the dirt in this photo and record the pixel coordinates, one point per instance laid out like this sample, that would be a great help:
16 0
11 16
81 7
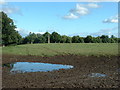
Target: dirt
77 77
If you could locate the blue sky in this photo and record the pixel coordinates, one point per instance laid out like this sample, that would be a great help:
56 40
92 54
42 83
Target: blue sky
66 18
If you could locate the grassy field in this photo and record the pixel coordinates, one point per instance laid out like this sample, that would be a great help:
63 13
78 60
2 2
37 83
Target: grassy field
62 49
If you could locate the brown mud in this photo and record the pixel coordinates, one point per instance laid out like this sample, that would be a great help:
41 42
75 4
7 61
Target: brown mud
77 77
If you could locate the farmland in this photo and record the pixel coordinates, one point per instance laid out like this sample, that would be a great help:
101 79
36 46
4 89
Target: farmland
48 47
53 49
86 58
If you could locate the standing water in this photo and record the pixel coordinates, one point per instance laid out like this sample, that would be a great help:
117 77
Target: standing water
22 67
97 75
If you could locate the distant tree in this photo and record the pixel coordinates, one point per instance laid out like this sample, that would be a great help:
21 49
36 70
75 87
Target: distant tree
118 40
105 39
39 35
112 40
88 39
47 37
75 39
112 36
68 40
37 40
26 40
55 37
40 39
94 40
9 34
32 37
63 39
81 40
98 40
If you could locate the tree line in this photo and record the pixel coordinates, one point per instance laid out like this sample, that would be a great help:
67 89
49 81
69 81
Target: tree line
11 36
57 38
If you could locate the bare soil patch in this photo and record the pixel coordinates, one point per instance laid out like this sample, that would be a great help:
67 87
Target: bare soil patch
77 77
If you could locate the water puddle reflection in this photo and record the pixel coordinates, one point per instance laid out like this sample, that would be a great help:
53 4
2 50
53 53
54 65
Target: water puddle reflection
97 75
22 67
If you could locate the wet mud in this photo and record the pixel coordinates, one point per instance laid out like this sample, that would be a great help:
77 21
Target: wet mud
77 77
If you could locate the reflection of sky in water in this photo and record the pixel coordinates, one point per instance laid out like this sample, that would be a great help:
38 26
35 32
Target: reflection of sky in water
21 67
97 75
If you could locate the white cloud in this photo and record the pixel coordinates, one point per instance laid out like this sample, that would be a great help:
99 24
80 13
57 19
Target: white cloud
22 32
39 32
71 16
17 29
113 19
93 5
2 2
9 9
106 31
81 10
83 34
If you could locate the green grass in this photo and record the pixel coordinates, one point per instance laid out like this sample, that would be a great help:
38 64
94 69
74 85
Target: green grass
0 50
52 49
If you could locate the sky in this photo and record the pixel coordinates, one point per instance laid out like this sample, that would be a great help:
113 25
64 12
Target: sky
66 18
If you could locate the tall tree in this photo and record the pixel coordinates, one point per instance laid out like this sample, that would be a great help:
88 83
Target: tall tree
9 34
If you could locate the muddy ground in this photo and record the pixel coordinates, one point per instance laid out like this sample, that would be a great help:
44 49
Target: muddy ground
77 77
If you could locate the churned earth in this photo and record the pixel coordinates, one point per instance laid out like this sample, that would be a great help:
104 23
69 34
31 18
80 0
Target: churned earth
77 77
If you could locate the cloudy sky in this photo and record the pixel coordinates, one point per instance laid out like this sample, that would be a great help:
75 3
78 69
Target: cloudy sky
66 18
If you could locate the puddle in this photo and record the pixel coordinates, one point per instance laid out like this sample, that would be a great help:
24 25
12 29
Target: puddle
97 75
22 67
